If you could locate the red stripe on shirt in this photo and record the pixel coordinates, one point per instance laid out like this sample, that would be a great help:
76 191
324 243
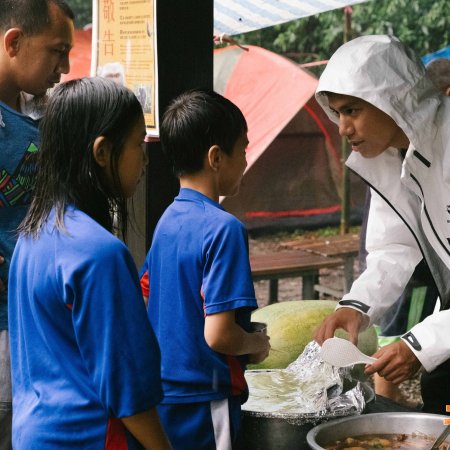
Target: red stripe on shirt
202 295
145 285
116 438
238 383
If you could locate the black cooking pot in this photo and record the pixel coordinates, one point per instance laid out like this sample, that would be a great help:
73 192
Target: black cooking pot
272 431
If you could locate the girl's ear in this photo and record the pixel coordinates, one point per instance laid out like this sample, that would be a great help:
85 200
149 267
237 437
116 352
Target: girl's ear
214 157
102 151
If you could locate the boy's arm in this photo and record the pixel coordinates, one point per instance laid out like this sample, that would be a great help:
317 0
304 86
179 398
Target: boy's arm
147 429
224 335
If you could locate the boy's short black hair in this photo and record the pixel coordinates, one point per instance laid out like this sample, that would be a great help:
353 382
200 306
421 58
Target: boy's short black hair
32 16
194 122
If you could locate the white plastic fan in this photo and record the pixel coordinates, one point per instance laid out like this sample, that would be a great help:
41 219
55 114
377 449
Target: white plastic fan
342 353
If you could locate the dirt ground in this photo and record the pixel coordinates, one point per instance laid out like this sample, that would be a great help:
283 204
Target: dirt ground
290 289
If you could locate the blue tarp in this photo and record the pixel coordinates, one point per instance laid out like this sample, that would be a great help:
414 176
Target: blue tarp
442 53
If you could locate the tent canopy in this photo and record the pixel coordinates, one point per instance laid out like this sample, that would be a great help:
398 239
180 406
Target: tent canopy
80 56
241 16
293 177
268 88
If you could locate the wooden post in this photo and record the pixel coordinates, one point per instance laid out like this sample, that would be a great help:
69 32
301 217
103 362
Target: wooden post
185 61
345 201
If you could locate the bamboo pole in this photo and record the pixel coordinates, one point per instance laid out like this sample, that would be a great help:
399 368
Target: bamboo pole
345 200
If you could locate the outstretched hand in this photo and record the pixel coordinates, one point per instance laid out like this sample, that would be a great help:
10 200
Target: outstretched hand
348 319
396 363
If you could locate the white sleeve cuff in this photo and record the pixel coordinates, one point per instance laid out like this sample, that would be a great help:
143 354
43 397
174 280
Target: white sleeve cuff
429 340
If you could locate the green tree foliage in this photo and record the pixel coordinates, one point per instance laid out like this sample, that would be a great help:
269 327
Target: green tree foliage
424 25
82 10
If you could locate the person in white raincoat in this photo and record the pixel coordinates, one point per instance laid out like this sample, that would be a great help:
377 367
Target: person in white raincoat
398 125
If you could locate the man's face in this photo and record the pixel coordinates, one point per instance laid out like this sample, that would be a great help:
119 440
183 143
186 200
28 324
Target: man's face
369 130
42 58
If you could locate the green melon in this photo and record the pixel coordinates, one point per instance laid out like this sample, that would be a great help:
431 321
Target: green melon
291 325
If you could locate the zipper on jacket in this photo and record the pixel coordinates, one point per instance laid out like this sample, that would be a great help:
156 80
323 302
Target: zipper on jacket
421 158
428 216
442 297
398 214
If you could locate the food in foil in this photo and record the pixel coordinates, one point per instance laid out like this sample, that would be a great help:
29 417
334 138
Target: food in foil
307 387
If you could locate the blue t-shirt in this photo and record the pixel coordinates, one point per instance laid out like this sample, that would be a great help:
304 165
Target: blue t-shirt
19 140
198 265
82 349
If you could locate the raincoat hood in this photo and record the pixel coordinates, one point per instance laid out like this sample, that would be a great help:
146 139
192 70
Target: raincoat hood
382 71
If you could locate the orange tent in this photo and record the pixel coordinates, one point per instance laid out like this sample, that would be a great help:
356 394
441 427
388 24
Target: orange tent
268 88
294 173
80 56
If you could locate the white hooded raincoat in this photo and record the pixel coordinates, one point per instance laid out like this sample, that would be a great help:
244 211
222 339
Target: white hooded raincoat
410 211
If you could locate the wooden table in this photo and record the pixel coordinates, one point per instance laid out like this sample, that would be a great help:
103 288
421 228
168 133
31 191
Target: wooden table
287 264
344 246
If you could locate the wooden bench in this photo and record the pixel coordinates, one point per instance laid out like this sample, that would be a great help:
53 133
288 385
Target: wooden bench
277 265
344 246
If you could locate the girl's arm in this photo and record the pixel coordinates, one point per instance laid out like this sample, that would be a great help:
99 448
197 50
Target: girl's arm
224 335
147 429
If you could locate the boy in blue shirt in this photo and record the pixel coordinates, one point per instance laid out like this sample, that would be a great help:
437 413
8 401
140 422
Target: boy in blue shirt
198 279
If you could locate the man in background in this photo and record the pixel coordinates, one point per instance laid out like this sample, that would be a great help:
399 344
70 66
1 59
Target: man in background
36 38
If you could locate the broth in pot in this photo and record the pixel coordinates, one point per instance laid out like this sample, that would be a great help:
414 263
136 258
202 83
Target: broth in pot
386 442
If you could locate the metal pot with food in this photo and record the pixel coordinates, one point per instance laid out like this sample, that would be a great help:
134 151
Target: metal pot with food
284 404
399 431
263 430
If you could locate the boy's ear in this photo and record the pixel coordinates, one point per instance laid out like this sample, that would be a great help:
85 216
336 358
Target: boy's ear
102 151
214 157
12 41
